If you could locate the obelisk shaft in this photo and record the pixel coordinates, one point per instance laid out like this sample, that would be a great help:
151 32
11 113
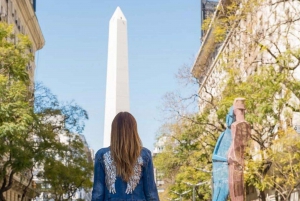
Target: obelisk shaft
117 81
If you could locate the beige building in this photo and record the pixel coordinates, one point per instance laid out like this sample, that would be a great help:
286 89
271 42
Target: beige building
158 148
208 8
270 25
21 13
275 25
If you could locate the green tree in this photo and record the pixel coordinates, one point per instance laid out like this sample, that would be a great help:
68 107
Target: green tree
186 157
53 119
16 111
284 174
260 66
29 126
70 172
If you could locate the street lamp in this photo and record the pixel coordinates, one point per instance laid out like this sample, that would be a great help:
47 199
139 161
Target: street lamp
194 186
181 194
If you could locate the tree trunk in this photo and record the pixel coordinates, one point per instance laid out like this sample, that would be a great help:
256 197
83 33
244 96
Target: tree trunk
26 188
262 195
2 198
58 198
5 186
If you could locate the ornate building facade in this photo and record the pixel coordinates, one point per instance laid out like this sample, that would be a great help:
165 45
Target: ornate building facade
21 14
274 25
269 25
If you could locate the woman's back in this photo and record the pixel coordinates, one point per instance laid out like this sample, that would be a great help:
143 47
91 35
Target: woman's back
141 185
124 171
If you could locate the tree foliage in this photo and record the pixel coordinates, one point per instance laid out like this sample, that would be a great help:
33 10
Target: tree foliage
68 173
262 66
30 125
64 167
282 174
186 158
16 114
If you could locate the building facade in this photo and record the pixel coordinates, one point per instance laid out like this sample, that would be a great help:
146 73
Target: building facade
270 20
274 25
208 8
21 14
158 148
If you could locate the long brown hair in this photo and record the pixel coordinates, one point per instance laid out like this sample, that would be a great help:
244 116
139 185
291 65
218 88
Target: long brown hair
125 144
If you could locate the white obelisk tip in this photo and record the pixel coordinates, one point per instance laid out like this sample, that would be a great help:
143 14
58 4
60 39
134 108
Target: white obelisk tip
118 14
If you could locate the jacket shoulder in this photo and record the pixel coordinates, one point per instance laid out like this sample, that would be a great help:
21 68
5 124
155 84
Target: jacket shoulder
146 155
101 152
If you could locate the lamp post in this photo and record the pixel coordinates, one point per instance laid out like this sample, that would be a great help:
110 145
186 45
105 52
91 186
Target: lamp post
194 186
181 194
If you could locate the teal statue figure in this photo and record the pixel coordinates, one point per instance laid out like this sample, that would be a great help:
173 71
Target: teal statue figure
220 162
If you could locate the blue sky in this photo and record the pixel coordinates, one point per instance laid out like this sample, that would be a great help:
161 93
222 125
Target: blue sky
162 36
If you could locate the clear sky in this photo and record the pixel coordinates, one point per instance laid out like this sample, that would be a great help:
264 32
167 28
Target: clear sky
162 36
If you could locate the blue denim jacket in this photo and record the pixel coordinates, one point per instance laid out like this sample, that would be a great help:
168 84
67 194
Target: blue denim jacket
108 186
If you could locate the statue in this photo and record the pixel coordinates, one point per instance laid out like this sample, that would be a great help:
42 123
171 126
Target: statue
220 163
240 131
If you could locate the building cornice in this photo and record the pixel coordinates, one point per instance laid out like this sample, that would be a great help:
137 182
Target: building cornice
31 22
207 44
204 53
208 41
215 61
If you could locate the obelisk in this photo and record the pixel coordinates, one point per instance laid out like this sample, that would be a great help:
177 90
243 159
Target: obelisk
117 81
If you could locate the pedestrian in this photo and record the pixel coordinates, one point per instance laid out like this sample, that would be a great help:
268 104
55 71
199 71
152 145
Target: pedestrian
124 170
